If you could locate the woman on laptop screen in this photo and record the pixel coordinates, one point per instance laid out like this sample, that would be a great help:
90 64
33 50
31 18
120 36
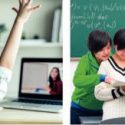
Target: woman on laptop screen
8 55
54 86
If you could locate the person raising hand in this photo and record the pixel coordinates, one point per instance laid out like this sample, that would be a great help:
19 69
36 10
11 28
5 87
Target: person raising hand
9 53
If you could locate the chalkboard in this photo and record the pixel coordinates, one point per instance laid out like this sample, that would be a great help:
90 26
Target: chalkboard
88 15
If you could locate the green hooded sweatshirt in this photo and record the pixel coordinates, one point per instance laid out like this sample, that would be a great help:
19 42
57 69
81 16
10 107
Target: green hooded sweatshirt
85 79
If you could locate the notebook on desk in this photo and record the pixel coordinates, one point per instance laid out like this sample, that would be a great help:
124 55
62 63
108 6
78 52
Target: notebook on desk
32 95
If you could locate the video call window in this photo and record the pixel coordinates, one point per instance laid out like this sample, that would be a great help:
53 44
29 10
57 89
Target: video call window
42 78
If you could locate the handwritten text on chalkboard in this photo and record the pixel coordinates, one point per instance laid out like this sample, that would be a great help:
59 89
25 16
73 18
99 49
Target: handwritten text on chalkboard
95 16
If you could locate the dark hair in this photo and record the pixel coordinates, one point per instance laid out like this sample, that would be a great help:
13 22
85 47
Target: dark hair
97 40
58 78
119 39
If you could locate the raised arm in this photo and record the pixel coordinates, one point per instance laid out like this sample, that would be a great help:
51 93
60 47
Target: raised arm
10 50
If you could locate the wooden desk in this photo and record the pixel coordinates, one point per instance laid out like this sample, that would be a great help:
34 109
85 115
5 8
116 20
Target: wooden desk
19 117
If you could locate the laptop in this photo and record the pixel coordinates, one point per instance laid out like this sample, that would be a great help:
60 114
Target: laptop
34 78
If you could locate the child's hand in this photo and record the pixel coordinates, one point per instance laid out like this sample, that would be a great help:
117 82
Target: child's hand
109 80
25 10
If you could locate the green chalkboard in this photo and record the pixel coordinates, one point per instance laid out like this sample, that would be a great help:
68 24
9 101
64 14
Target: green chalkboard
88 15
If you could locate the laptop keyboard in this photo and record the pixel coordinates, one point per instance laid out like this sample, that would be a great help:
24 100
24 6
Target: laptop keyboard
18 104
39 102
32 105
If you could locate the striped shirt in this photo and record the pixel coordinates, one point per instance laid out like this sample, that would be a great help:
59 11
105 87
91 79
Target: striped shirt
113 97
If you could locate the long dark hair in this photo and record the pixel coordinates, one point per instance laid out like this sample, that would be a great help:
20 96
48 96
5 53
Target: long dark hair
58 78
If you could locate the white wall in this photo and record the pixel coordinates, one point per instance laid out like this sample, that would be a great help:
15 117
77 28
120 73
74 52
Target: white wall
73 68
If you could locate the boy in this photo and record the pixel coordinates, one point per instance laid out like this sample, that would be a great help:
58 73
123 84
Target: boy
86 77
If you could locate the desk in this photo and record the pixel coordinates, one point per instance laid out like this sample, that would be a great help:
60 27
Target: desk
90 120
10 116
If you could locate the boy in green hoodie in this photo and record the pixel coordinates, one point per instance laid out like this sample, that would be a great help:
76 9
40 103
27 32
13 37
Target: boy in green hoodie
86 77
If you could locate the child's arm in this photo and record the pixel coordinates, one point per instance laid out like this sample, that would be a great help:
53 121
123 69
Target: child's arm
10 50
82 77
105 92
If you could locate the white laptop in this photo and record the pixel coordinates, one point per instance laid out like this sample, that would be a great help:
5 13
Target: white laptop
34 74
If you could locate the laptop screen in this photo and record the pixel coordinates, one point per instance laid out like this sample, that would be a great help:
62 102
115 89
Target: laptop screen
41 78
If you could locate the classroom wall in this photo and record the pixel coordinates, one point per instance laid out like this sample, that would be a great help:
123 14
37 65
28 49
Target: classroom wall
72 69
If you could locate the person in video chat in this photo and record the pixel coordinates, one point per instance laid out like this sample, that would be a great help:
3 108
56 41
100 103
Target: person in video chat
8 55
54 86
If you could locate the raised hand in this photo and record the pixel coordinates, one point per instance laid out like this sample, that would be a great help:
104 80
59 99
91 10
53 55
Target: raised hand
25 9
8 55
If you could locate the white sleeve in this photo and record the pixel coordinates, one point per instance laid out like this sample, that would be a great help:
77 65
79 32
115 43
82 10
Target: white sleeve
102 92
105 92
5 76
102 69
